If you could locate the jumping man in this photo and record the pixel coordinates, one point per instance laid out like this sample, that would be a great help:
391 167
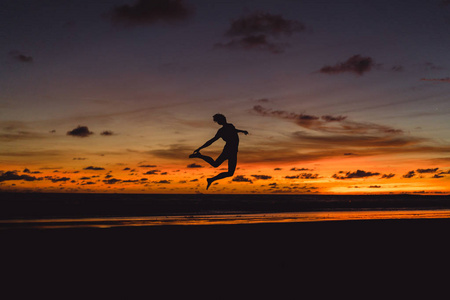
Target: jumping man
230 135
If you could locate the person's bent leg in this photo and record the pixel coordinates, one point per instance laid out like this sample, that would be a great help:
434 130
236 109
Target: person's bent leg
232 161
210 160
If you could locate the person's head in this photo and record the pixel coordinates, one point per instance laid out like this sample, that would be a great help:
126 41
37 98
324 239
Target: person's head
220 119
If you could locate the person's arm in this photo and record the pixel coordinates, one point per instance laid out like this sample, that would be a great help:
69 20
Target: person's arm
208 143
243 131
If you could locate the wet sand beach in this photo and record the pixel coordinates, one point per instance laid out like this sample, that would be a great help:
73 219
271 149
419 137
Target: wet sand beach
370 259
373 254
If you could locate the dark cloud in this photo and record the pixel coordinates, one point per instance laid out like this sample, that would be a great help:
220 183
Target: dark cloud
152 172
12 175
262 177
80 131
257 30
329 118
353 175
303 176
112 181
388 176
194 165
57 179
253 42
356 64
107 133
241 178
446 79
299 169
410 174
94 168
26 170
264 23
434 170
308 176
147 12
145 166
162 182
19 56
88 183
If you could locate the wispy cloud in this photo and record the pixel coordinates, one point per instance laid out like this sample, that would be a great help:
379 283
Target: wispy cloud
262 177
107 133
174 151
356 64
264 23
446 79
258 30
20 135
327 123
334 136
20 57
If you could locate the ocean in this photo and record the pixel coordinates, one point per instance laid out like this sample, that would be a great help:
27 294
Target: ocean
53 210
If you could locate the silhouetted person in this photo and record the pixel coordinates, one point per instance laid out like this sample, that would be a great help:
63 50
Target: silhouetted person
230 135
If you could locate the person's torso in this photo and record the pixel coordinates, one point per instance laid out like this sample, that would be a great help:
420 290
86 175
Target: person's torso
229 135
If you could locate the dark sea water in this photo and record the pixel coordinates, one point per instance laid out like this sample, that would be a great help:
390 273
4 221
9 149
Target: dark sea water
40 210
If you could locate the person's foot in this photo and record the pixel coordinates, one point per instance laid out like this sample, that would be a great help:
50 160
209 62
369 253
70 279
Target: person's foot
194 155
209 182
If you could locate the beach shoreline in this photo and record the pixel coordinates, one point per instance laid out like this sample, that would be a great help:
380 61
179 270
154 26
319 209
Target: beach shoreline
368 256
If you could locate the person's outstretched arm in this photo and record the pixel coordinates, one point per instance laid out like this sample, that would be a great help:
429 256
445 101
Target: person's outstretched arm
208 143
243 131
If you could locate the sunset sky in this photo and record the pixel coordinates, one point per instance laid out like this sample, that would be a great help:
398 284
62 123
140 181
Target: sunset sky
112 96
